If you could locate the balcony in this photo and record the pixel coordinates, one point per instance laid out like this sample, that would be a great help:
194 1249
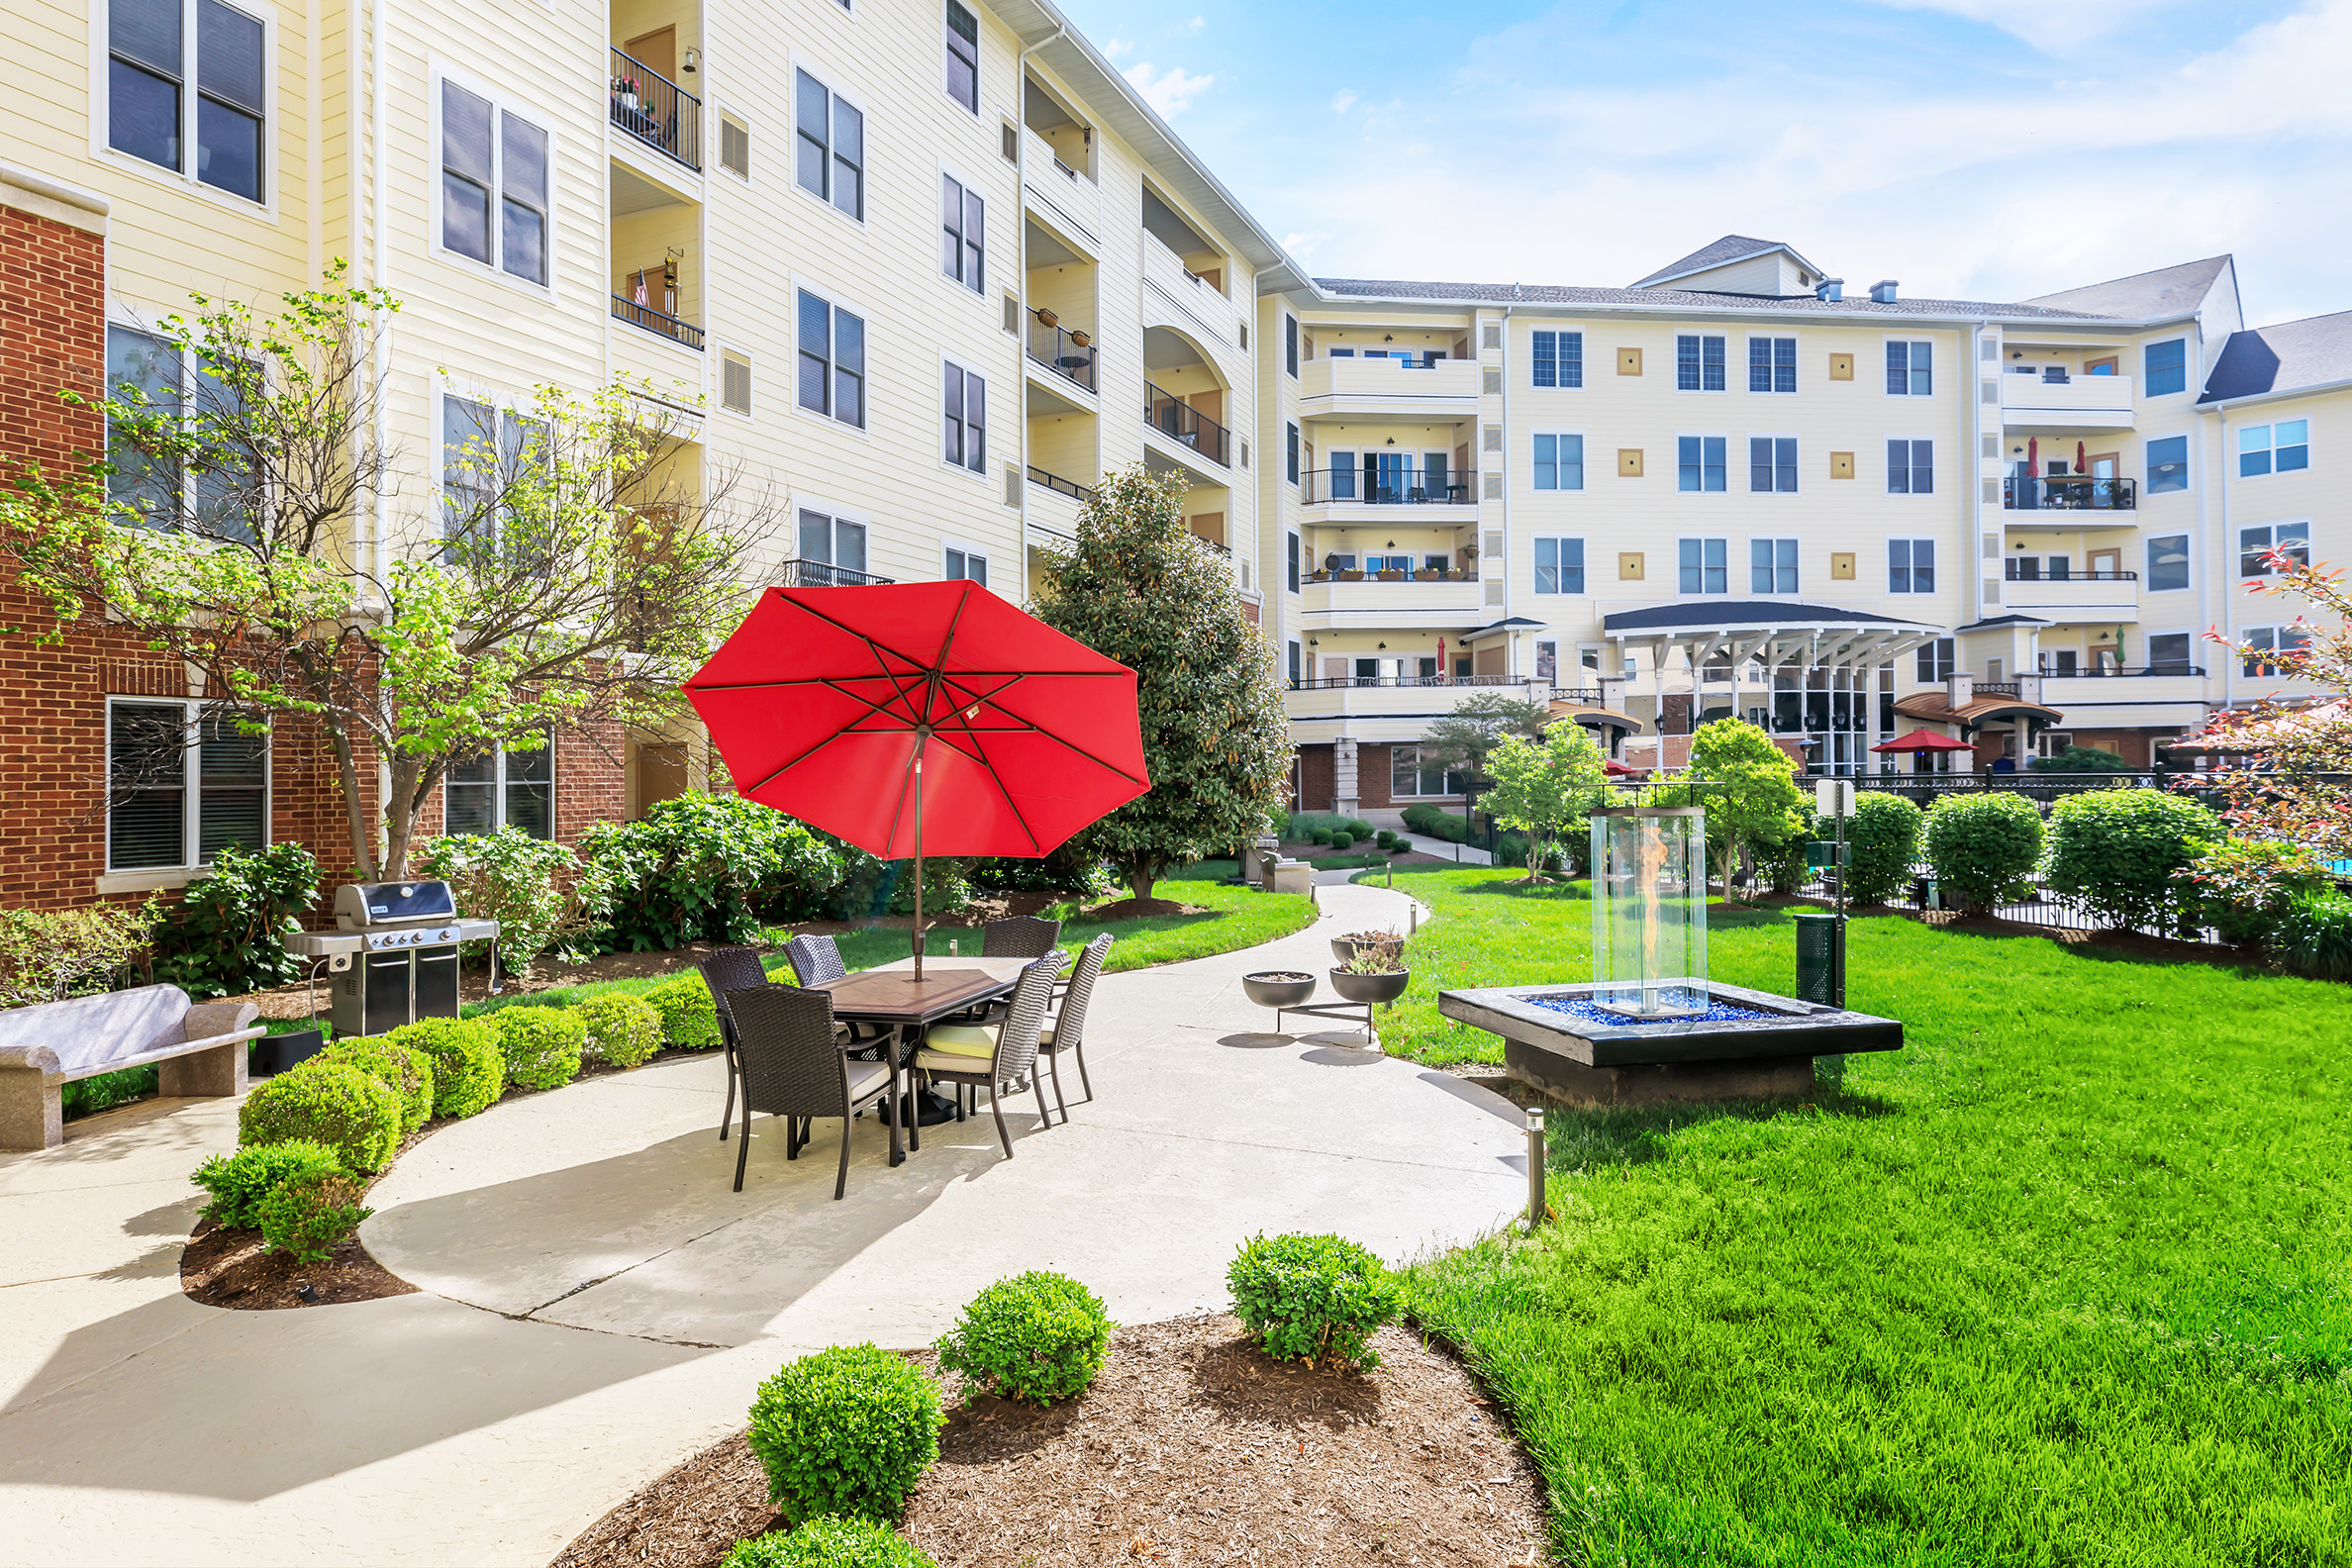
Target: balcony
2071 493
1068 354
824 574
2073 596
1064 196
1411 699
659 322
2090 402
655 110
1184 425
1338 600
2167 692
1389 387
1388 485
1192 294
1058 486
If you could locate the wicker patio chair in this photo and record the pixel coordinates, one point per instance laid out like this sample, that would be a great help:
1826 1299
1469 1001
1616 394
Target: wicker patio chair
1021 937
1067 1031
999 1058
727 969
793 1066
814 959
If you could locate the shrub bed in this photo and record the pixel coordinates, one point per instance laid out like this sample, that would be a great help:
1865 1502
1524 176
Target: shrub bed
543 1044
622 1030
469 1063
2125 854
346 1110
847 1430
1317 1298
305 1216
689 1017
1984 848
1034 1338
827 1542
238 1182
401 1069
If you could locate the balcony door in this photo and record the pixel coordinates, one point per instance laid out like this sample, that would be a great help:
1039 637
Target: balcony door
1385 476
656 51
2106 563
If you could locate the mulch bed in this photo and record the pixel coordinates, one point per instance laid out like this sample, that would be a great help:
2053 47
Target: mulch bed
228 1268
1191 1447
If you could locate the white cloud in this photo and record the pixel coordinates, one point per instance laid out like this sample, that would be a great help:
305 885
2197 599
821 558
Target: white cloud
1170 92
1302 244
1114 47
1194 25
1343 98
2057 26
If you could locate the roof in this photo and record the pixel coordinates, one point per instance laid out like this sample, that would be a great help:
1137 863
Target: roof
2167 291
1989 622
1741 612
2312 353
1405 292
1724 251
1931 706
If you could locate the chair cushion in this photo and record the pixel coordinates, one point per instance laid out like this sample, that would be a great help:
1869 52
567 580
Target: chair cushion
866 1077
961 1039
940 1062
1045 1037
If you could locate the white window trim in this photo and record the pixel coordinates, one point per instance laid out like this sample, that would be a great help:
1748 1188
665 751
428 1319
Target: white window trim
837 301
979 60
446 387
2272 425
1935 466
750 364
1557 332
988 253
1775 436
795 505
140 878
2188 367
2148 466
722 113
1586 567
1893 540
1731 568
1557 488
1732 464
191 366
2148 570
826 78
439 71
1797 592
2237 549
186 180
1934 373
1676 363
497 792
987 383
1756 336
2147 659
968 550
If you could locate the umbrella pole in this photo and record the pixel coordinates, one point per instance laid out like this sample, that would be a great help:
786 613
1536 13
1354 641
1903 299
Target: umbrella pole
918 743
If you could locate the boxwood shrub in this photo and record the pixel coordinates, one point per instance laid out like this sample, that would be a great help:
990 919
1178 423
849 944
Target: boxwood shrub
238 1182
403 1069
1034 1338
1317 1298
349 1110
543 1044
847 1430
689 1018
1984 848
306 1216
1882 843
827 1542
622 1030
2125 854
468 1064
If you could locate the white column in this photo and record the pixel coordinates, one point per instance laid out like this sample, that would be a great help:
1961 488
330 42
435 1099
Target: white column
1344 794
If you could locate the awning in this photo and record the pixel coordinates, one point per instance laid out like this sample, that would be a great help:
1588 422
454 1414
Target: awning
1782 635
1922 740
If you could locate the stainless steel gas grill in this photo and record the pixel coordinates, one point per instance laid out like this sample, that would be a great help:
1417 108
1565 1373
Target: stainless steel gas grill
393 953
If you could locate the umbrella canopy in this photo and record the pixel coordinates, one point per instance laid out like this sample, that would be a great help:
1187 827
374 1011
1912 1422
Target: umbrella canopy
921 717
2082 463
1611 768
1922 740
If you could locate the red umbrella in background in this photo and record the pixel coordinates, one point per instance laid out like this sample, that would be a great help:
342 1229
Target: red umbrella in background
2033 457
922 718
2082 463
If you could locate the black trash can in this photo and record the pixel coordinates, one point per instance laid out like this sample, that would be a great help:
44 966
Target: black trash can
1820 960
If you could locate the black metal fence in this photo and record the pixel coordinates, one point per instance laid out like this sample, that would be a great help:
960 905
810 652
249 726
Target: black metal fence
1922 896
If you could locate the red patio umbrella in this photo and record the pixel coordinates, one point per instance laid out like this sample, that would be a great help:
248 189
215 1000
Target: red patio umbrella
1922 740
1611 768
922 718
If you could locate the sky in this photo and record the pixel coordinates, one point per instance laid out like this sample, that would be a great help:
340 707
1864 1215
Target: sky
1986 149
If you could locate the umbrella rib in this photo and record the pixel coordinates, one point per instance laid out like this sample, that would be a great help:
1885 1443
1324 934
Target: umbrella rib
801 756
1020 816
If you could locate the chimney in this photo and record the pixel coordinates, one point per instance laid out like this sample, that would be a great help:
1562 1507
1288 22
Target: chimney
1883 291
1830 290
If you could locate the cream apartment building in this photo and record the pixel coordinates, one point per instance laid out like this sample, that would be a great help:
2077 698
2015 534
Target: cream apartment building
908 278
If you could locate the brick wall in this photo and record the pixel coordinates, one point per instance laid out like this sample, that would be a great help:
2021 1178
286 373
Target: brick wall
1372 777
1318 778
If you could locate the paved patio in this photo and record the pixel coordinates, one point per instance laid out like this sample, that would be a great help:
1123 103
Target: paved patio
596 1303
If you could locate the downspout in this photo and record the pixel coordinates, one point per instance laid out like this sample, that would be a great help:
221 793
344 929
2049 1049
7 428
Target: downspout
2221 470
1509 539
1020 268
379 276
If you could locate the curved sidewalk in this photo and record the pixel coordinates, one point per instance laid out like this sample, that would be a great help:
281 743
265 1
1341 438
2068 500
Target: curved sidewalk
597 1303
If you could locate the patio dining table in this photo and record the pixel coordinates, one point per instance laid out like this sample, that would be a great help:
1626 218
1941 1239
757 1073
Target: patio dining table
891 996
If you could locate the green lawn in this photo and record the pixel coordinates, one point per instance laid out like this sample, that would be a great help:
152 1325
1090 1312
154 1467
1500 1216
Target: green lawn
2068 1279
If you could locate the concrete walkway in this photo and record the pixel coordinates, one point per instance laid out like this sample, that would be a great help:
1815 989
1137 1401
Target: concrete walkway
597 1304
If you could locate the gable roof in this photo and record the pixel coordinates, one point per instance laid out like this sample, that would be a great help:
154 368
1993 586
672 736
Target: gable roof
2172 290
1722 253
2312 353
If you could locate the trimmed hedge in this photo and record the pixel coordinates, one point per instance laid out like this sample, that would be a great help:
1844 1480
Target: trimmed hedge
1882 843
1984 848
1317 1298
543 1044
307 1216
847 1430
403 1069
689 1018
622 1030
349 1110
238 1182
469 1063
1034 1338
827 1542
2125 854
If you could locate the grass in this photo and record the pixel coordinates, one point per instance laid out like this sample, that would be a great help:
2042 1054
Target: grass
2068 1279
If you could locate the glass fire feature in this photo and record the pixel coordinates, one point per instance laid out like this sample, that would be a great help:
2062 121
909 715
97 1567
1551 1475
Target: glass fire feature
1650 911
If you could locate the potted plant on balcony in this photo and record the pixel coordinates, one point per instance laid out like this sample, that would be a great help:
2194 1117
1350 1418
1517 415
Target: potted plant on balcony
1047 317
1375 974
1079 340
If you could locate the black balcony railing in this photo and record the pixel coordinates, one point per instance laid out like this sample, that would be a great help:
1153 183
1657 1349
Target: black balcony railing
659 322
1336 682
1179 420
2106 672
1388 485
2033 568
825 574
1057 484
2070 493
655 110
1392 574
1063 351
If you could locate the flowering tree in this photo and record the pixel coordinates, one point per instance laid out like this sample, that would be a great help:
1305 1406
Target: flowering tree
1544 790
2298 788
242 523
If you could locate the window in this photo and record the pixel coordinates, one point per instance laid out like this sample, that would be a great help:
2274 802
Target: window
1937 660
2168 654
1911 468
831 360
963 232
966 565
1771 464
2265 639
832 541
964 57
2274 449
965 421
831 137
1699 362
1297 659
1293 562
1559 462
1409 774
503 787
735 382
1911 368
2255 544
2165 366
1704 463
1706 565
1559 566
2168 563
1772 365
217 503
1911 566
735 145
494 185
1772 565
1290 452
154 820
486 452
2168 464
150 115
1290 348
1559 358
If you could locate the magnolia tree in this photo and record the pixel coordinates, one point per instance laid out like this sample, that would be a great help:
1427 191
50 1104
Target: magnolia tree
244 521
1141 589
2299 791
1545 790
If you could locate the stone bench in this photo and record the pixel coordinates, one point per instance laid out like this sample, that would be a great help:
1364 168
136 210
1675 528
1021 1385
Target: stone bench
200 1051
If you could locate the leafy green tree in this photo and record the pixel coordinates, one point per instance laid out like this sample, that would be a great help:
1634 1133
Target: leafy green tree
1141 589
1757 809
1462 739
1544 790
252 530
